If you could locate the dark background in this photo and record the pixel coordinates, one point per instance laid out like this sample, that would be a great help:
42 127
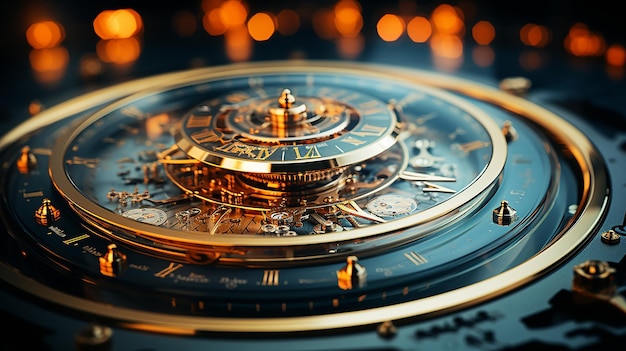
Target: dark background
583 81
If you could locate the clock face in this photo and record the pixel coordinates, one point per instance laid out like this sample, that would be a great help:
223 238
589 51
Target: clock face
266 197
310 165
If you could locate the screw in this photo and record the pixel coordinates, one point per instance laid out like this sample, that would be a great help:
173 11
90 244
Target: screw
387 330
94 337
610 237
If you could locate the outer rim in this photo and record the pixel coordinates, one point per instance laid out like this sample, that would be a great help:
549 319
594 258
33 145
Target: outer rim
594 185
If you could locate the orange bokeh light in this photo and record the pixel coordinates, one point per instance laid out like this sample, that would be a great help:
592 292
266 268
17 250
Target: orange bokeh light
483 32
535 35
582 42
119 51
49 64
117 24
261 26
233 13
45 34
390 27
238 44
49 59
446 46
419 29
348 19
447 19
616 55
212 23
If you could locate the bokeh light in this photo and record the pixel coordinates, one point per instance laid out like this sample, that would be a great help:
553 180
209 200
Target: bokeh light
616 55
483 32
347 18
261 26
119 51
535 35
445 28
45 34
580 41
117 24
390 27
448 20
419 29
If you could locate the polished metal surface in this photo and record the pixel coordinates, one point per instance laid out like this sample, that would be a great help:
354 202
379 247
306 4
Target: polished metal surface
315 190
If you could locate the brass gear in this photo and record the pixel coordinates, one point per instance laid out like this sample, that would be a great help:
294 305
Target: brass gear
288 180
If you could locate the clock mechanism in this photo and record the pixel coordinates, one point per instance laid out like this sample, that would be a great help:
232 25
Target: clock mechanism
299 197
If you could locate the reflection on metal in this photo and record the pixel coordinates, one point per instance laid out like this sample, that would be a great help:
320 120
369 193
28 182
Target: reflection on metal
594 282
504 214
94 337
27 161
47 214
113 262
352 274
509 132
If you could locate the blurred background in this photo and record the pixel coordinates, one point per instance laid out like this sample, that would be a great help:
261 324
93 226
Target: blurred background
56 49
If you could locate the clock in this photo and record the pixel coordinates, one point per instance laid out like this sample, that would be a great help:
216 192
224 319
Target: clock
256 202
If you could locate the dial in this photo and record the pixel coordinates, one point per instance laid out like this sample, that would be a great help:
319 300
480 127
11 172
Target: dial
248 150
292 197
149 215
266 130
390 205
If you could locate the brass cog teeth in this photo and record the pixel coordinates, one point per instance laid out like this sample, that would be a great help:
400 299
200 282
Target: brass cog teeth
295 178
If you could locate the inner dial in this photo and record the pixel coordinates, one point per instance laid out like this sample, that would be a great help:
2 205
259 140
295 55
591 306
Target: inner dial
307 152
263 165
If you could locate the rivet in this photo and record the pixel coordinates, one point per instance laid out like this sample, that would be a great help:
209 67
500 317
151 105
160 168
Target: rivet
94 337
387 330
610 237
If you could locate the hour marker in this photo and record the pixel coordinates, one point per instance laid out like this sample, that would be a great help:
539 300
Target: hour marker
87 162
195 121
424 177
74 241
270 277
471 146
416 258
430 188
311 152
168 270
33 194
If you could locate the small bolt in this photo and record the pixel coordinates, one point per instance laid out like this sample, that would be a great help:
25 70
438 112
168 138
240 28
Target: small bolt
94 337
596 278
387 330
504 214
509 132
516 85
610 237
